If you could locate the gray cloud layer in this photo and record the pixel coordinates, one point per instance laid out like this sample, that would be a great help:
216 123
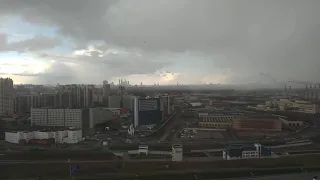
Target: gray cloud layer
34 44
247 37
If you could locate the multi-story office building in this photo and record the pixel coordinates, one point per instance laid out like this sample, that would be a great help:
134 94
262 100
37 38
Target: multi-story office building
6 97
147 111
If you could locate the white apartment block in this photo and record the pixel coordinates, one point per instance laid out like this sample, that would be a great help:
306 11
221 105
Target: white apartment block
73 118
99 115
39 117
6 97
65 136
56 117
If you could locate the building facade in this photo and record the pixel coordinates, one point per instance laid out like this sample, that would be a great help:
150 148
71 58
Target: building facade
257 123
216 122
74 96
147 111
99 115
69 136
234 152
6 97
114 101
57 117
24 102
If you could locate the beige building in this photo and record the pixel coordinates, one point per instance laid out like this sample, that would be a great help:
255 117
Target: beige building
216 122
6 97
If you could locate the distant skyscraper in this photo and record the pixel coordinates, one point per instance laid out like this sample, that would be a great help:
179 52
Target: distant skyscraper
6 97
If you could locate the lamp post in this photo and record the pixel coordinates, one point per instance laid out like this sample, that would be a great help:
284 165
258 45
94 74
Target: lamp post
69 161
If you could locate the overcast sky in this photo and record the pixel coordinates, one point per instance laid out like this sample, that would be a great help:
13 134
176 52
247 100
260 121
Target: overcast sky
159 41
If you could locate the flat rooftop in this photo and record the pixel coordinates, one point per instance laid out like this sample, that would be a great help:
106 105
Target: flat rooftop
217 119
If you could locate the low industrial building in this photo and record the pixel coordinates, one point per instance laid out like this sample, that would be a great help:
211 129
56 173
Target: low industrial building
216 122
69 136
235 152
254 122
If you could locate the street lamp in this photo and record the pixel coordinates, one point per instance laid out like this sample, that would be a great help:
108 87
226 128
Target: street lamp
69 161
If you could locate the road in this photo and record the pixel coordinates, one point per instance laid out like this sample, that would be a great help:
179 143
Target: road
300 176
172 126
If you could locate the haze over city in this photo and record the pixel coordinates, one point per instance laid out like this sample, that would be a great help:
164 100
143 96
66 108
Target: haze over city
165 42
159 89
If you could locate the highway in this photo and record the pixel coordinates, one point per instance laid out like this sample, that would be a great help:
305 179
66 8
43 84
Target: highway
296 176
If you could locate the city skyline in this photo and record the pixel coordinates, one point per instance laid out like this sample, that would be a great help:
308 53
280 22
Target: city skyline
49 42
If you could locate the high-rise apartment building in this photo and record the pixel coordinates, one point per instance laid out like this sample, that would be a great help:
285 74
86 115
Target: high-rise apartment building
74 96
6 97
106 89
23 102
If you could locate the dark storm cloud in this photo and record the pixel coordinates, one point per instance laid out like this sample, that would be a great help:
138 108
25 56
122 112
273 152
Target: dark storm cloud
278 37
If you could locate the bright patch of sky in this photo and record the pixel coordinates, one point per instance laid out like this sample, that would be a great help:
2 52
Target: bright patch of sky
11 63
18 30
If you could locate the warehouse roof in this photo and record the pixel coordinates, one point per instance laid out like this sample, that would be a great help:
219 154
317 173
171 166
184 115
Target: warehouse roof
217 119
